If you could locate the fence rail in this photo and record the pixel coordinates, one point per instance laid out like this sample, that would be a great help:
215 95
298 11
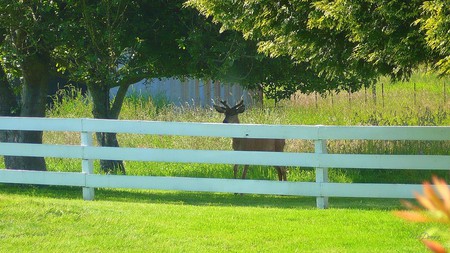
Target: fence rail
321 160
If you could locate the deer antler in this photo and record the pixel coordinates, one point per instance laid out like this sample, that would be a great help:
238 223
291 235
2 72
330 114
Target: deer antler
225 104
239 104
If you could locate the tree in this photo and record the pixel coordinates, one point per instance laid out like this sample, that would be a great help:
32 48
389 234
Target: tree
101 49
27 30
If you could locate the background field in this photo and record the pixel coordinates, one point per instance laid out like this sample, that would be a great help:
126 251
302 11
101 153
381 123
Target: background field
55 219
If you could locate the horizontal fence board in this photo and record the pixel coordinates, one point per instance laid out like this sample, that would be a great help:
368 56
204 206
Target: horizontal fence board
201 129
362 161
272 158
42 177
201 156
41 150
435 133
370 190
310 132
211 184
40 124
270 131
204 184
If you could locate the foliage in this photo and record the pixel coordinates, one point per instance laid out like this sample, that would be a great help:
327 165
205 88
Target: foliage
282 29
97 43
382 32
227 56
26 28
28 32
435 21
349 43
436 201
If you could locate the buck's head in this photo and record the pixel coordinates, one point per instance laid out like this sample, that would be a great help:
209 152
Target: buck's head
231 113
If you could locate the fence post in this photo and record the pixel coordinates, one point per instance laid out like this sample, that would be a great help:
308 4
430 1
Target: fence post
87 165
321 173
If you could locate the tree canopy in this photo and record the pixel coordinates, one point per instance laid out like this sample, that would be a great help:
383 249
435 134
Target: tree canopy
348 41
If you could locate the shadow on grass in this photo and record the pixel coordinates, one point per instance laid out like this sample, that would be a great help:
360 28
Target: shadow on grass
198 198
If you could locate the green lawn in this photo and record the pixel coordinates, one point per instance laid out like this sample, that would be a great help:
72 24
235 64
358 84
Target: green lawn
55 219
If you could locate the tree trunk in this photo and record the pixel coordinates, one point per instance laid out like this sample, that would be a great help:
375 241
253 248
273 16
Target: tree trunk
8 102
36 72
8 105
102 110
110 166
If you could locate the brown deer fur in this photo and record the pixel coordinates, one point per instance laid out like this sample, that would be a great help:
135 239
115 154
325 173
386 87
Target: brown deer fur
243 144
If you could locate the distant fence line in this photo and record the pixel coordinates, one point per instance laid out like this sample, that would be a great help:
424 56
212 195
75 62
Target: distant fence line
376 97
320 159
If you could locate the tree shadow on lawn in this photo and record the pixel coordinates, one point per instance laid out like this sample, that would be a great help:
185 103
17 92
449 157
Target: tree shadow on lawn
198 198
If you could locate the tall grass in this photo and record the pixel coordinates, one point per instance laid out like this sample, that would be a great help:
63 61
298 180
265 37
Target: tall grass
418 102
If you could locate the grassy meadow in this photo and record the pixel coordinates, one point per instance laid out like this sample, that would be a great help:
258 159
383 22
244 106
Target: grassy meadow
55 219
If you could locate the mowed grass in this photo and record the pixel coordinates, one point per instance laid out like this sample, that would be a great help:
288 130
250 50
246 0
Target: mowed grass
55 219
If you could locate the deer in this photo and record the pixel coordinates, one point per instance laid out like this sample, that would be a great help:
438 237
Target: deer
251 144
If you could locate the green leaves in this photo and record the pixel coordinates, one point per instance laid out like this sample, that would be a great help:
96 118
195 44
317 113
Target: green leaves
286 30
435 22
348 44
27 28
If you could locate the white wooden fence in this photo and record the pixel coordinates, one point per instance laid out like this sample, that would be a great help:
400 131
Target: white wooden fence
321 189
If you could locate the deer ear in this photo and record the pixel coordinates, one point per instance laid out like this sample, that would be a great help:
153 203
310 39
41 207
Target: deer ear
220 109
